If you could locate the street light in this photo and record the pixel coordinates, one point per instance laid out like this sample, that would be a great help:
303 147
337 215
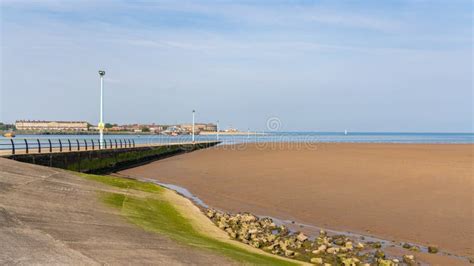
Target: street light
101 122
193 123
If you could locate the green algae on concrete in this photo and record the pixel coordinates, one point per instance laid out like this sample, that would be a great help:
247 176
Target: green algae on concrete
124 183
154 213
94 163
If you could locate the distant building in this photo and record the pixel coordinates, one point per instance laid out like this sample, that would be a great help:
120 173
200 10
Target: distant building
131 127
116 128
51 125
157 128
153 128
209 127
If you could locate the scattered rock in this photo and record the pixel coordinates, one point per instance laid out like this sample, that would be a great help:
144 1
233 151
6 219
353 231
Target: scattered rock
289 253
377 245
284 230
348 245
264 234
256 244
379 254
432 249
338 241
332 250
382 262
301 237
406 245
222 225
409 259
350 261
253 231
271 238
210 213
270 248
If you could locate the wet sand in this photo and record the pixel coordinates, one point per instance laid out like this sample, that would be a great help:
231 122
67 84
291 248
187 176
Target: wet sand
420 193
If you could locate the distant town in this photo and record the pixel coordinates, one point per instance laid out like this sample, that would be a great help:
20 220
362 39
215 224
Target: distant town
84 127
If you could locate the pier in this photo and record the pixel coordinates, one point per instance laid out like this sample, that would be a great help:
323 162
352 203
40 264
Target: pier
85 155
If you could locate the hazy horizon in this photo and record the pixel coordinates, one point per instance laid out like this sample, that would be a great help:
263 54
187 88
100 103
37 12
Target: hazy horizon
372 66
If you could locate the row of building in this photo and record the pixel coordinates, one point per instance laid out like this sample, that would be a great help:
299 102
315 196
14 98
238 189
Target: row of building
36 125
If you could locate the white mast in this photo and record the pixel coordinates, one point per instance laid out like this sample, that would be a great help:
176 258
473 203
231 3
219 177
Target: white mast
101 120
193 124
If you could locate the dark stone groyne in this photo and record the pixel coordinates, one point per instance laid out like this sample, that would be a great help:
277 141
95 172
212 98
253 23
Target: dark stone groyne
108 160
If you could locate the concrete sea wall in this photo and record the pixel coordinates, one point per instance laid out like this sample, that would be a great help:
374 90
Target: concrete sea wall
106 161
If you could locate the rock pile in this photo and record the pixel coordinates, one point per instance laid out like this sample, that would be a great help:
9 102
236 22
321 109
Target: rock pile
323 250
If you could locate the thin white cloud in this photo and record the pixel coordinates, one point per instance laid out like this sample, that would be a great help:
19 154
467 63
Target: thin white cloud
353 21
255 15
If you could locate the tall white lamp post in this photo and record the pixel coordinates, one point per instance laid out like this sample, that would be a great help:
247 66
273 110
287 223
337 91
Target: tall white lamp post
194 112
101 122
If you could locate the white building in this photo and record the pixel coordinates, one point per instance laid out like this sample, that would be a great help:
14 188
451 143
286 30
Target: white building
51 125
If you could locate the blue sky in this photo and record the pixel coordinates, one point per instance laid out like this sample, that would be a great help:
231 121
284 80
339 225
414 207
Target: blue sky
315 65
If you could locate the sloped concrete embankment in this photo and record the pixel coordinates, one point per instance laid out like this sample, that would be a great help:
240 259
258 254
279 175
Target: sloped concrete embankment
51 216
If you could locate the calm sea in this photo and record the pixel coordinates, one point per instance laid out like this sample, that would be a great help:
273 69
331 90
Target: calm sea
351 137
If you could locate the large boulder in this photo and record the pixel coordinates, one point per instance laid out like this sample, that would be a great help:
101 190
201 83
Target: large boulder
332 250
301 237
289 253
383 262
222 225
379 254
350 261
432 249
409 259
348 245
210 213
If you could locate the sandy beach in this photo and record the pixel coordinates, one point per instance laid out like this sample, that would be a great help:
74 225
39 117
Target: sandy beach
421 193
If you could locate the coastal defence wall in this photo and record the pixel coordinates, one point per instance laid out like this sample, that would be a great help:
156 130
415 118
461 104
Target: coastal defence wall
108 160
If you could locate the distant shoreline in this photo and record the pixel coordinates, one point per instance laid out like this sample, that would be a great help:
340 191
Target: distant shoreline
203 133
31 132
236 133
21 132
